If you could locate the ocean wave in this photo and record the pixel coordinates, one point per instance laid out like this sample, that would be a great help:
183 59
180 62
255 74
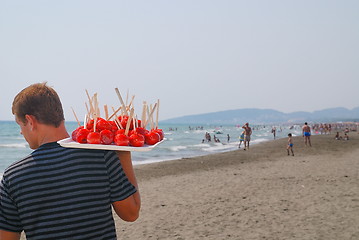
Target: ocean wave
218 147
201 145
14 145
258 140
177 148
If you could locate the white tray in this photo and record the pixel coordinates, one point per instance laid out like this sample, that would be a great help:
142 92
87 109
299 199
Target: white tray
69 143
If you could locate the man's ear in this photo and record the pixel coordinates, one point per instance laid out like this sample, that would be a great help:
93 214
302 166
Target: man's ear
32 121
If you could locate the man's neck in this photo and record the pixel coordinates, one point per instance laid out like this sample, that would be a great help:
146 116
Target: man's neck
49 134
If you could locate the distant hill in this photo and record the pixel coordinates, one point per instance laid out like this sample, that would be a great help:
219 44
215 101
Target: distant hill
266 116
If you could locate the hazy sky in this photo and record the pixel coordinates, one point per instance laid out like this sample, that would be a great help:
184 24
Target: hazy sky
196 56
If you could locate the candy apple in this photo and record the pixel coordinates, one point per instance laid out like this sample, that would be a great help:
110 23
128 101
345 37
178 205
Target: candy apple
113 126
74 133
102 124
81 135
121 139
106 136
124 120
120 131
152 138
141 131
137 140
90 124
139 123
94 138
160 132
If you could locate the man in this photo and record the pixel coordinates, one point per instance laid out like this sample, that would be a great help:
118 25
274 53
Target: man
247 135
62 193
274 129
306 134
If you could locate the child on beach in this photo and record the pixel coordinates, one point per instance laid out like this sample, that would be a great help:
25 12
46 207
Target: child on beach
338 137
290 144
241 139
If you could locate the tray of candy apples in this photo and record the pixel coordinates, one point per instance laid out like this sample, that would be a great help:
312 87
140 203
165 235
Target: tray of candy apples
120 131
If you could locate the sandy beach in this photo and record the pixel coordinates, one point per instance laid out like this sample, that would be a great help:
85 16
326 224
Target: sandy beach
257 194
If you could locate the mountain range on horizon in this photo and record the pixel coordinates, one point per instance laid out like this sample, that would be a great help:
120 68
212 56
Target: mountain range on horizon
267 116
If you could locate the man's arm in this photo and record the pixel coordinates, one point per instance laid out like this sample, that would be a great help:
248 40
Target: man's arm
5 235
129 208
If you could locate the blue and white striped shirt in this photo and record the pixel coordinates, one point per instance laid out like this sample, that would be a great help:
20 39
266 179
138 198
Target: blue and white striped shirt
63 193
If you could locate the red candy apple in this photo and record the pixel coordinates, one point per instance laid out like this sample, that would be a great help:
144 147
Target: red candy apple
106 136
121 140
152 138
81 135
137 140
94 138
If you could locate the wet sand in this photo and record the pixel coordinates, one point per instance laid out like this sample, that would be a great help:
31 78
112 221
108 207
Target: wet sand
257 194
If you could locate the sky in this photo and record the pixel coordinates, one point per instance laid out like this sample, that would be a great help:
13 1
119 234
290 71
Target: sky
195 56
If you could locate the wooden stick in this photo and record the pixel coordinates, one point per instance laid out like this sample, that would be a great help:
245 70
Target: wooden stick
121 100
78 122
114 113
129 121
118 124
91 111
97 109
127 94
129 105
106 111
134 122
157 113
143 118
96 112
149 117
87 109
90 102
85 121
117 121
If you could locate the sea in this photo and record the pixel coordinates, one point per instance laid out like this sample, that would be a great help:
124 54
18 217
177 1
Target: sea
181 141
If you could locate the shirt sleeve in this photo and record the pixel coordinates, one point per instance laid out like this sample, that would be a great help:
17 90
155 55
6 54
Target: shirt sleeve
9 216
120 187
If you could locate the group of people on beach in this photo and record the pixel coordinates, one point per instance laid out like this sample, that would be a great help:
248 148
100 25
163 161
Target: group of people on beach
306 132
339 137
324 129
208 138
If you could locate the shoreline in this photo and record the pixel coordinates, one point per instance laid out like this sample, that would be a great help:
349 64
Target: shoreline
253 143
257 194
208 160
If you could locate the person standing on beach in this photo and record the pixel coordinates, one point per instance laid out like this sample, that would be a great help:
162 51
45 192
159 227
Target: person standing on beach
241 139
62 193
290 144
247 135
274 131
306 134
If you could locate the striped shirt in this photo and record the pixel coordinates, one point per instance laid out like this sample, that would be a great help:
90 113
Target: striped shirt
63 193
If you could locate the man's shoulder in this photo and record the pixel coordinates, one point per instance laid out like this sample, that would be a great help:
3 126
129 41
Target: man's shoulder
18 166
